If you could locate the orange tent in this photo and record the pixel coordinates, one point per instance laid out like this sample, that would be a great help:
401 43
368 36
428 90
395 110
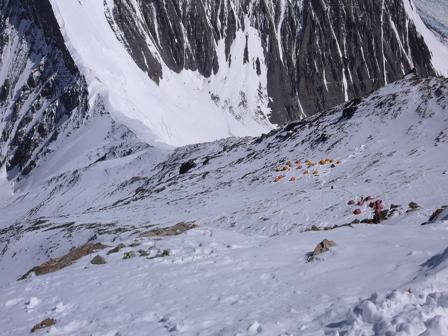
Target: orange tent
279 178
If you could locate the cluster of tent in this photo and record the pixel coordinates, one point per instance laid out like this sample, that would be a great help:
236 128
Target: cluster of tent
376 205
306 168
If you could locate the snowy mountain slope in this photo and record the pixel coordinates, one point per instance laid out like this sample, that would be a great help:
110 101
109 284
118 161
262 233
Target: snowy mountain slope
263 60
223 283
74 168
243 270
415 109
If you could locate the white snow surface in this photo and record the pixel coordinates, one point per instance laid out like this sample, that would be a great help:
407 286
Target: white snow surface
438 49
244 269
435 13
179 110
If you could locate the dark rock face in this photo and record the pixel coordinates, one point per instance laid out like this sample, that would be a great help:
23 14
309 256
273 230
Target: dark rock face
187 166
41 90
317 53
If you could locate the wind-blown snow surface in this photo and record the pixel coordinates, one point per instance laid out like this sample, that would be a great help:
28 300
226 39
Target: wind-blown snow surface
243 271
179 110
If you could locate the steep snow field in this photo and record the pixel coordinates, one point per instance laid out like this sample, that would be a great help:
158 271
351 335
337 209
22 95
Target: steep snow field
245 269
435 13
179 110
438 50
217 282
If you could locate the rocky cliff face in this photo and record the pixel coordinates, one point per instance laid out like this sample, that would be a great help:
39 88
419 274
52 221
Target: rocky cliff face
41 89
317 53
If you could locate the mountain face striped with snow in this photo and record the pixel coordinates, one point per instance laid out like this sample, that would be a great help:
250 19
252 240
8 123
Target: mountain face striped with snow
316 54
181 72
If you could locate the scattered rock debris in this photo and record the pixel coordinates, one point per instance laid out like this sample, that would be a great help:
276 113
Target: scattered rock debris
163 254
56 264
116 249
135 243
44 324
175 230
129 255
143 253
315 228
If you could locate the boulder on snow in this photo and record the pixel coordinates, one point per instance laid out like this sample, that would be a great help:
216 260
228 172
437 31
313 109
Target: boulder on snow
350 108
438 215
143 253
4 90
129 255
116 249
98 260
413 206
322 247
44 324
380 216
161 254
